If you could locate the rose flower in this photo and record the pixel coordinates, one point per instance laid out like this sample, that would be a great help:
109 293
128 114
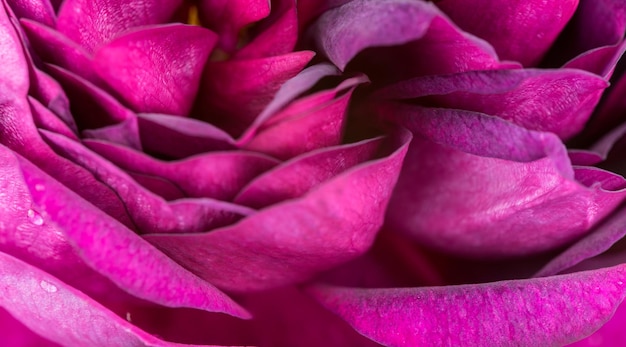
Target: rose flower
312 173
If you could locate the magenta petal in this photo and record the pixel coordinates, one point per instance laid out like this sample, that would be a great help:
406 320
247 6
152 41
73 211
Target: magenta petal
558 101
40 300
54 48
93 23
610 334
341 35
37 10
150 213
296 177
538 312
217 175
502 191
519 30
179 137
118 253
14 333
45 119
235 92
228 17
292 241
163 78
125 133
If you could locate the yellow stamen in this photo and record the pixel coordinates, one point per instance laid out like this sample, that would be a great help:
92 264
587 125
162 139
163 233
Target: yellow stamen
193 18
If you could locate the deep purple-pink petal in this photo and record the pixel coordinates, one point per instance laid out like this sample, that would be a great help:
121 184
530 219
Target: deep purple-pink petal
502 190
150 213
125 133
537 312
598 23
605 235
14 333
89 24
309 123
234 92
288 92
341 35
600 61
519 30
179 137
300 175
558 101
40 300
36 10
50 93
45 119
279 38
291 241
116 252
159 186
217 175
54 48
156 69
228 17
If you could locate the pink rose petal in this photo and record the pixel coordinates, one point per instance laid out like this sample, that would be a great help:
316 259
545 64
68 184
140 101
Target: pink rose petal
14 333
234 92
538 312
217 175
558 101
501 191
36 10
610 334
156 69
292 241
519 30
38 300
92 23
116 252
150 213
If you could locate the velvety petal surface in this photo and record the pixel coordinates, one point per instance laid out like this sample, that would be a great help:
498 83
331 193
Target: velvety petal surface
117 252
61 313
234 92
156 69
36 10
150 213
536 312
611 333
558 101
14 333
341 35
519 30
292 241
92 23
217 175
502 190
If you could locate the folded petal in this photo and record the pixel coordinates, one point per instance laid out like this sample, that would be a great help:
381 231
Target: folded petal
156 69
40 301
558 101
290 242
217 175
94 23
36 10
234 92
519 30
537 312
341 35
610 333
150 213
502 190
115 251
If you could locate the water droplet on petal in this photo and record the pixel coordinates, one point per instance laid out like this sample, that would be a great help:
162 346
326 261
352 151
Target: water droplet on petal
47 286
39 187
35 217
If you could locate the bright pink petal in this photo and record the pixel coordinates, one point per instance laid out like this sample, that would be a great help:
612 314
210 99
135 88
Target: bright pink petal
63 314
558 101
150 213
36 10
292 241
228 17
156 69
115 251
302 174
519 30
92 23
234 92
538 312
14 333
217 175
341 35
502 190
610 334
307 124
